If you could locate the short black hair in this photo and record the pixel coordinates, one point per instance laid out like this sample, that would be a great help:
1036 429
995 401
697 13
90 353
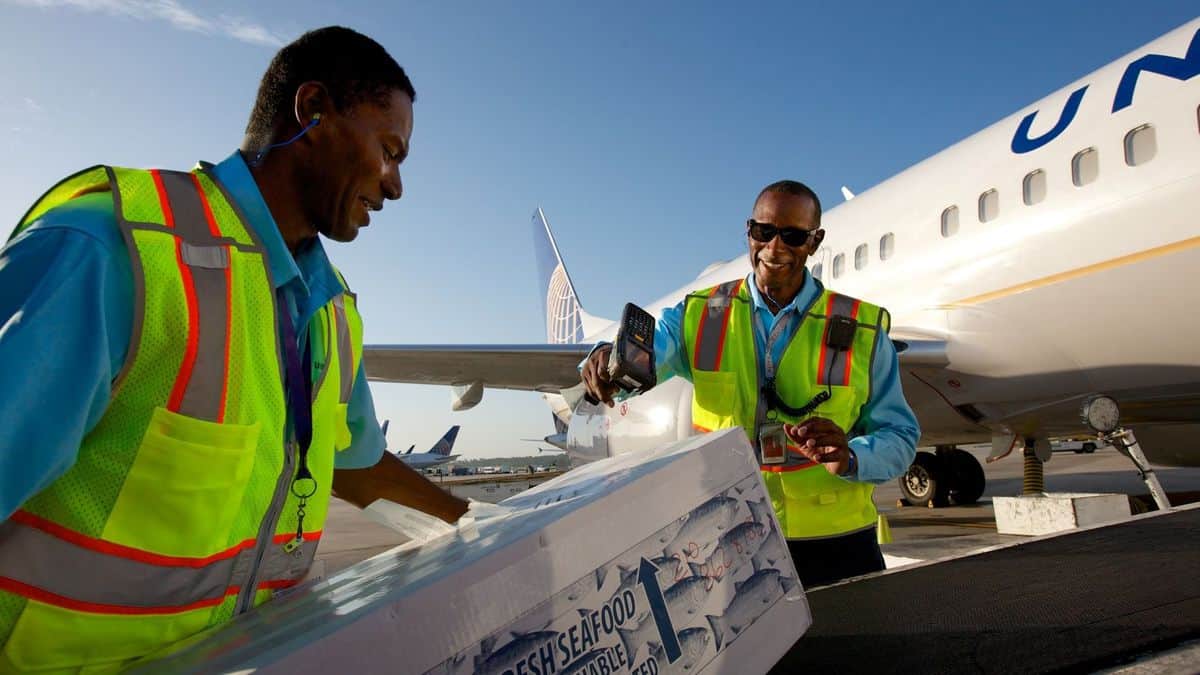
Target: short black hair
796 188
353 67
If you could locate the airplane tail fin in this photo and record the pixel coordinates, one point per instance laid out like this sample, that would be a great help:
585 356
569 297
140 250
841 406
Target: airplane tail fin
566 322
410 449
446 444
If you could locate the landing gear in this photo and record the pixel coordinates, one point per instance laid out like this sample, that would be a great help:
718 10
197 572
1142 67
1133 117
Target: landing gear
921 485
952 476
1033 477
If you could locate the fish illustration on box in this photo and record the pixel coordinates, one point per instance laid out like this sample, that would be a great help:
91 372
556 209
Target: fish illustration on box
671 570
773 549
679 580
751 599
684 600
714 515
692 643
667 534
735 548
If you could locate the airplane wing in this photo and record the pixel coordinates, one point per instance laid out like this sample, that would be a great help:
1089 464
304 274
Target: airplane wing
539 367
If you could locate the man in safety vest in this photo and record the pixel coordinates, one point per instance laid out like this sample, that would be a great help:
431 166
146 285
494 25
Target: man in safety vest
183 380
811 376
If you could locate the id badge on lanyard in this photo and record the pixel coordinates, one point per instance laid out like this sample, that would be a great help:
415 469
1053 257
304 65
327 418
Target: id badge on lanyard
772 440
772 443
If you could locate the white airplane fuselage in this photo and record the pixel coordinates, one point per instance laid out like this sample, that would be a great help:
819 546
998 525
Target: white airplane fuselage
1090 288
425 460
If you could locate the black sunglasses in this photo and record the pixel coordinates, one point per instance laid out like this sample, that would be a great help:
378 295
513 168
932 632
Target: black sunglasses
765 232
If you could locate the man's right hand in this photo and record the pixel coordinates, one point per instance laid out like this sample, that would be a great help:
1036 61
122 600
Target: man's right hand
595 376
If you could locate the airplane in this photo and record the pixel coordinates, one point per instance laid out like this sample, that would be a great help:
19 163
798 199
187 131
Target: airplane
1046 259
438 454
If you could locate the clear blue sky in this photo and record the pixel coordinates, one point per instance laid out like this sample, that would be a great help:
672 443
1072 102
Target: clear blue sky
624 122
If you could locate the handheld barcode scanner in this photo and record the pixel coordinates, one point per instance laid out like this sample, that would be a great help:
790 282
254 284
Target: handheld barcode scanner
631 363
839 336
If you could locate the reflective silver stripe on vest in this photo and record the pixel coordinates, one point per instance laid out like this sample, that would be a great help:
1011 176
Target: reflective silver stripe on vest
833 368
44 561
712 329
203 397
344 348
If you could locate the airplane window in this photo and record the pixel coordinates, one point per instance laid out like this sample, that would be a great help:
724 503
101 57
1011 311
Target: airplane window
817 270
950 221
989 205
1085 167
1140 145
886 244
1033 189
860 257
839 265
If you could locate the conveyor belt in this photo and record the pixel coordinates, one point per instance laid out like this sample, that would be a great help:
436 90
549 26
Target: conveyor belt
1072 602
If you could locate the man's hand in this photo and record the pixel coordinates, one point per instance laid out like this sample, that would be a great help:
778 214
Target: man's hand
822 441
595 376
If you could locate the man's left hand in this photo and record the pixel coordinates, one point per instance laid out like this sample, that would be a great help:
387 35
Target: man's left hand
822 441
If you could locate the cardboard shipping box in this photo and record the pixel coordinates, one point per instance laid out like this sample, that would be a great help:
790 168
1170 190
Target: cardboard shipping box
668 561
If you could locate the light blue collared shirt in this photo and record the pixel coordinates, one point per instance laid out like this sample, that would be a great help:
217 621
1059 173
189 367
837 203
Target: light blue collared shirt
885 436
65 315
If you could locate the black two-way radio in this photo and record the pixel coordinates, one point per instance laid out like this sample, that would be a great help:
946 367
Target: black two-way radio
840 337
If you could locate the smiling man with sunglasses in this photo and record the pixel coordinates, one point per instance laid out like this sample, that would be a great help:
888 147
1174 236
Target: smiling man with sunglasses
811 376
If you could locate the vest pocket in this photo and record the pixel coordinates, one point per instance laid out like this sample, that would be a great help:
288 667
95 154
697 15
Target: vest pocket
185 486
715 399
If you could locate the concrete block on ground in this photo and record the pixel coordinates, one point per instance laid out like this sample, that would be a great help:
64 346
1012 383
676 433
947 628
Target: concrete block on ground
1055 512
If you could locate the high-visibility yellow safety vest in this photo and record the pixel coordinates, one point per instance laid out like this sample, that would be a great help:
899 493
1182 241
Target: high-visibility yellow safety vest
810 502
178 513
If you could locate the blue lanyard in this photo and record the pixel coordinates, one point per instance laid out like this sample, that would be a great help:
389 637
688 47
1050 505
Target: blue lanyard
298 381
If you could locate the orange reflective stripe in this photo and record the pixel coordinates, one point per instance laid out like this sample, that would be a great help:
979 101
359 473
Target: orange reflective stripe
119 550
785 468
215 229
793 461
168 216
710 347
834 365
345 350
189 355
850 352
44 596
58 566
201 385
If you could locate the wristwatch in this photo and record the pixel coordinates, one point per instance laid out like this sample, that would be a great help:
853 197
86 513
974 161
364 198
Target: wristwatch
851 467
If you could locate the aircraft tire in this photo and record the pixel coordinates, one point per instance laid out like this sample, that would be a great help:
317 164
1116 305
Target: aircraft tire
924 482
966 479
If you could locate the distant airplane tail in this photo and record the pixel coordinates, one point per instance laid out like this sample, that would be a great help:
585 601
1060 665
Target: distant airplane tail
566 322
446 444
